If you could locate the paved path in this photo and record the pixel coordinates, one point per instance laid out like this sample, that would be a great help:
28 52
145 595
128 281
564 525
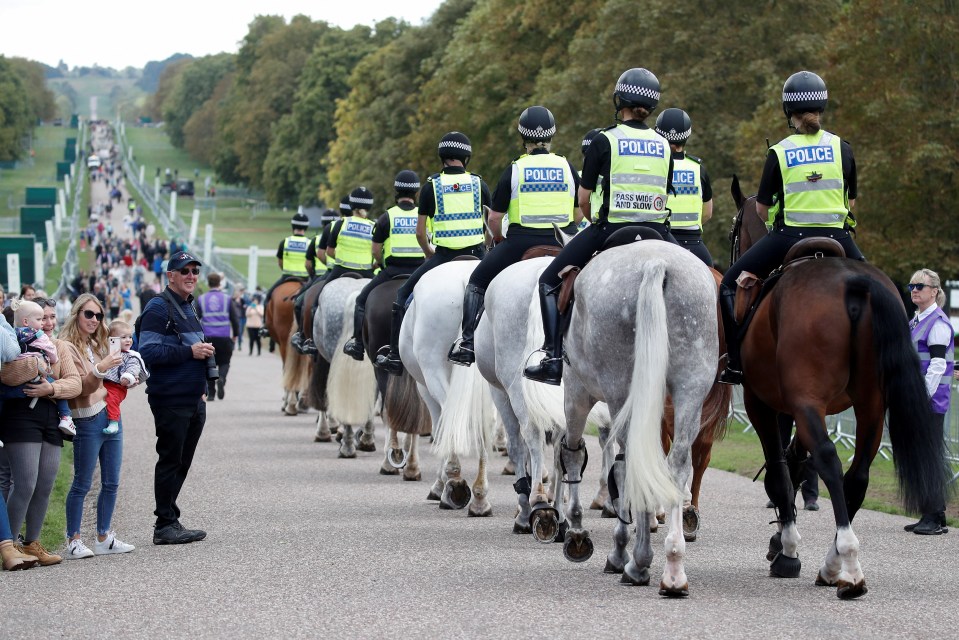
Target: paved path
302 544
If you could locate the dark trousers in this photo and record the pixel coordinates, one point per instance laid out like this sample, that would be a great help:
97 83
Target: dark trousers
339 272
442 256
693 242
386 273
508 252
254 336
178 431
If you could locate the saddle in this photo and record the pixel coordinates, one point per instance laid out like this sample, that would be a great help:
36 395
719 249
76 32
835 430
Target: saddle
624 236
751 290
464 257
541 251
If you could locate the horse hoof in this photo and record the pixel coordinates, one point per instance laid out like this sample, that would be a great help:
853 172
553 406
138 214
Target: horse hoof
323 438
578 547
412 477
608 510
436 491
690 524
369 447
509 469
822 582
661 517
397 458
674 592
480 509
339 436
521 528
544 521
636 578
289 412
563 530
785 567
849 591
775 546
389 471
612 568
347 455
456 495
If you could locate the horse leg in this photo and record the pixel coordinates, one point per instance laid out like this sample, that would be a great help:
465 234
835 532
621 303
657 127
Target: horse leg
456 491
436 491
412 470
348 442
518 453
391 462
323 433
702 452
289 402
636 570
366 440
480 506
572 456
602 494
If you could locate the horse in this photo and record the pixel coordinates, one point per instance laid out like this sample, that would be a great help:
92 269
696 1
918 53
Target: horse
350 387
833 334
663 310
403 409
429 327
279 321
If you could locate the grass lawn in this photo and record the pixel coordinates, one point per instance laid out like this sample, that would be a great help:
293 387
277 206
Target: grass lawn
49 143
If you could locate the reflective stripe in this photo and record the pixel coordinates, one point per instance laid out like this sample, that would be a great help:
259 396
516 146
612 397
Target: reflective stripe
638 178
528 221
809 218
684 217
411 250
639 217
356 265
819 185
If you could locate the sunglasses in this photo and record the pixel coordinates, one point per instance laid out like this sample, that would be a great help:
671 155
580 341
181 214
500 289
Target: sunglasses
185 271
919 286
90 315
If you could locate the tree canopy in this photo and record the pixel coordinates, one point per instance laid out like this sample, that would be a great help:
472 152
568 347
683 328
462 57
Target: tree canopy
24 100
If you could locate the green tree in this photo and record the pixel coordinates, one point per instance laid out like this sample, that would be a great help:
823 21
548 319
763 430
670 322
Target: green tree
16 117
193 86
201 137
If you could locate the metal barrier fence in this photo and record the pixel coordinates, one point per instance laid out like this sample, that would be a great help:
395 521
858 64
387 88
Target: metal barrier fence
842 428
70 258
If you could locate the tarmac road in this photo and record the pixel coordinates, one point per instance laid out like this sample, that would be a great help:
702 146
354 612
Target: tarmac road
304 545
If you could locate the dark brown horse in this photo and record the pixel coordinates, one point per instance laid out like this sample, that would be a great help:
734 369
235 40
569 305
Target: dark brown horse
833 334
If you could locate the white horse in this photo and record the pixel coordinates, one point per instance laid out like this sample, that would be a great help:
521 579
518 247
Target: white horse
643 323
351 386
431 324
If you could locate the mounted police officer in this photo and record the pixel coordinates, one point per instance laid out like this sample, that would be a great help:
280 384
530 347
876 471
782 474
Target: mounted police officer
291 254
691 200
596 198
632 164
537 190
318 265
395 248
808 189
454 199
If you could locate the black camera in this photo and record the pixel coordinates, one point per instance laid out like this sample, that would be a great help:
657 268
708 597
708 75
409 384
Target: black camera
212 373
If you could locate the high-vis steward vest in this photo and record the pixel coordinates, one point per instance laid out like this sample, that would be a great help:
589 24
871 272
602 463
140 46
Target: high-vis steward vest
813 192
543 192
458 220
638 168
920 336
294 256
402 240
354 244
319 267
686 205
215 306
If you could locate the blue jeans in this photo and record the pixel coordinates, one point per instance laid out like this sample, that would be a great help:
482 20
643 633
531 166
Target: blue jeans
90 445
4 521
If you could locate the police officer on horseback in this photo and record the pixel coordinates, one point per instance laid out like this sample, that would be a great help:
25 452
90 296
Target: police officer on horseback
453 200
536 191
633 165
291 254
595 198
808 189
691 200
395 248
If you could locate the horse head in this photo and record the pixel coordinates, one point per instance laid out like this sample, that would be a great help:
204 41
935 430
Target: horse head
748 227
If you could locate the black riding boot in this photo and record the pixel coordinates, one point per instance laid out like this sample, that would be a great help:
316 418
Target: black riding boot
354 347
390 361
550 368
733 373
462 352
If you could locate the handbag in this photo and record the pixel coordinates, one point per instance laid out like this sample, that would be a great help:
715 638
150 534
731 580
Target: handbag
21 371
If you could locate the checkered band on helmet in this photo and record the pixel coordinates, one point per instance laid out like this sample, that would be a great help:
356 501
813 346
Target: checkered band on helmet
300 221
804 92
455 146
345 208
361 198
588 139
406 181
637 88
537 124
674 125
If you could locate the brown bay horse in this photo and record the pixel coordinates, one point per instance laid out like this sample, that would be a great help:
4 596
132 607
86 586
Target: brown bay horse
833 334
279 322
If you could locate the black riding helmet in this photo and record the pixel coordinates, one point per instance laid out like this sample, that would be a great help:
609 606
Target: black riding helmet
345 208
329 215
588 139
300 222
636 87
406 183
804 92
674 125
536 124
455 146
361 198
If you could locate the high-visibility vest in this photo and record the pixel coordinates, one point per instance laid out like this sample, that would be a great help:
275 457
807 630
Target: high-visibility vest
458 220
319 266
402 242
814 192
294 256
215 306
543 192
354 244
638 174
686 204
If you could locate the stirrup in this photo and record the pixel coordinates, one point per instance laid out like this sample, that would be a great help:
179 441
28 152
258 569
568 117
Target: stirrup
460 354
308 348
354 349
541 372
730 376
388 361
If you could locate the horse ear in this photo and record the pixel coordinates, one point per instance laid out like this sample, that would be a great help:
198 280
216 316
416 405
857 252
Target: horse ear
561 236
737 192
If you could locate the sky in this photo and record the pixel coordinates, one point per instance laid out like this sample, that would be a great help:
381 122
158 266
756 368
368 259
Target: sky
125 34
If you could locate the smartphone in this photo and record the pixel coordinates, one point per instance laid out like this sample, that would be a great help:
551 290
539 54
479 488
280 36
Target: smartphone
114 344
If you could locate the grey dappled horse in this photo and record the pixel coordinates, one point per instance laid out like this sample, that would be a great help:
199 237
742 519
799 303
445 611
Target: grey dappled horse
351 386
643 324
430 325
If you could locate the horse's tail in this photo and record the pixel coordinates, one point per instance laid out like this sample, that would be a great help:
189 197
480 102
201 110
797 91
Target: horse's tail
467 420
648 480
917 443
351 390
404 409
544 402
715 416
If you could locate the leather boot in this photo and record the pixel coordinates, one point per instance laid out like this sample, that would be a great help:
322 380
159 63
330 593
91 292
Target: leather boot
390 360
462 352
354 346
550 368
733 373
14 559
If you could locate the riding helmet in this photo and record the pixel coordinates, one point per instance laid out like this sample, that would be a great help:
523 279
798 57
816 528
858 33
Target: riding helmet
361 198
329 215
674 125
804 92
588 139
536 124
300 221
455 146
637 87
406 183
345 208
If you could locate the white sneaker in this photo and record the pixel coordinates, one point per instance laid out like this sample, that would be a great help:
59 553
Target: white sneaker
111 545
77 550
66 426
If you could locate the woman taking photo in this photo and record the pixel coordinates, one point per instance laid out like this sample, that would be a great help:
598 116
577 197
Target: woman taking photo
86 331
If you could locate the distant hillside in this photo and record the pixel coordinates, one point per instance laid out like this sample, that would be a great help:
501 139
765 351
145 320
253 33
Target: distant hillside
153 69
